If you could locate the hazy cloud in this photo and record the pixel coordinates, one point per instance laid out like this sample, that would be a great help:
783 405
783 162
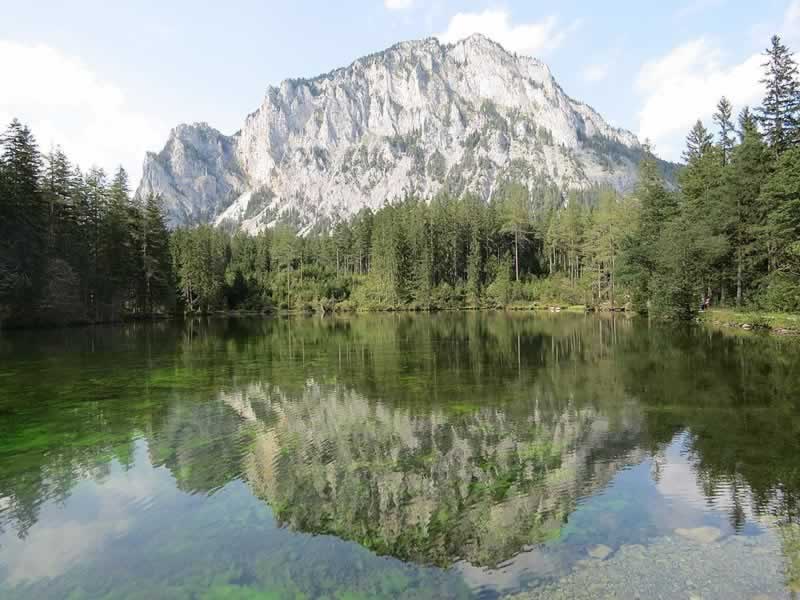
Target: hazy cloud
398 4
595 73
697 6
790 28
66 103
525 38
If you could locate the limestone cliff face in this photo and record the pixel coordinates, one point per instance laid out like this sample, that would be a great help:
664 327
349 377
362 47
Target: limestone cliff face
418 118
197 173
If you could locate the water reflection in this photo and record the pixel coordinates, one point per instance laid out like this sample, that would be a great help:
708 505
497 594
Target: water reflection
431 487
490 453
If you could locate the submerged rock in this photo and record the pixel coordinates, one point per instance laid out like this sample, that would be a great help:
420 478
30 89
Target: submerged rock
673 567
600 551
702 535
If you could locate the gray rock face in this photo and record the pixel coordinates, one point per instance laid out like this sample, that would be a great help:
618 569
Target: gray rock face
197 173
419 118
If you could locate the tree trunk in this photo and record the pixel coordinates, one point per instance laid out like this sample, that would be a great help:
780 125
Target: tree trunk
612 282
739 253
599 284
739 277
516 253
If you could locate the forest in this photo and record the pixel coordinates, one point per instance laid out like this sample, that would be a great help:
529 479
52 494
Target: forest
79 247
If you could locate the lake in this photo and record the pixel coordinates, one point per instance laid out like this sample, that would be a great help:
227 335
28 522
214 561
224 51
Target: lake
457 455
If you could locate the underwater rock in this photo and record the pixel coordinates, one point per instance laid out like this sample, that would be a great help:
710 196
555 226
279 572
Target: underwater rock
600 551
702 535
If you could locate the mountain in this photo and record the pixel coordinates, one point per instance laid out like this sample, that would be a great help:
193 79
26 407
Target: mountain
419 118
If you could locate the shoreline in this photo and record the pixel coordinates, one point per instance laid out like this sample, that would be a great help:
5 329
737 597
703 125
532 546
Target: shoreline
783 324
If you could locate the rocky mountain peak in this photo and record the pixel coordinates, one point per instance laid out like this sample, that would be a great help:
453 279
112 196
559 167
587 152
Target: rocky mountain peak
420 117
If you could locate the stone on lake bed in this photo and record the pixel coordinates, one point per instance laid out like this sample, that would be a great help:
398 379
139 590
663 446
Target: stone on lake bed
600 551
702 535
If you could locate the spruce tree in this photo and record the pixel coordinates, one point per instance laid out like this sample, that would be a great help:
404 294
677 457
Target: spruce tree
779 114
516 217
23 222
726 129
781 193
58 187
155 256
748 122
118 241
657 205
744 177
93 210
698 142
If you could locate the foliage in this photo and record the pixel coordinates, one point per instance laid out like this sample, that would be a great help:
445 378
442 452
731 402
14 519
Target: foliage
73 247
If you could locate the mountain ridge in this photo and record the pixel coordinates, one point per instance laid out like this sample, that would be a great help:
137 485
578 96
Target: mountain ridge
418 118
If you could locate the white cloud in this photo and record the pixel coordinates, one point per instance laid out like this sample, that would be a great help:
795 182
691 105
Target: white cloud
525 38
66 103
398 4
595 73
685 85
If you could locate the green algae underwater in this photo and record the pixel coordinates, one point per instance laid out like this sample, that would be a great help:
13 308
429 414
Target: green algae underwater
458 455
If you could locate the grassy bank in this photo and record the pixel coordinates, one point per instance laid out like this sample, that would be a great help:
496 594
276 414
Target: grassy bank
781 323
344 307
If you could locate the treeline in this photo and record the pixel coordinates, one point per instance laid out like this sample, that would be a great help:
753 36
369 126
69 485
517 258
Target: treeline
730 233
75 247
415 254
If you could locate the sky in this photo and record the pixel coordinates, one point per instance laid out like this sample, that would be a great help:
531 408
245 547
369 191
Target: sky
108 80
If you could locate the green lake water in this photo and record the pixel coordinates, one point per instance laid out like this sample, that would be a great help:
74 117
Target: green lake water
469 455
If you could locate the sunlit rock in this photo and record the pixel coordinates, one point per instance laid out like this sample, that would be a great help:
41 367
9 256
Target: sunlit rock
416 119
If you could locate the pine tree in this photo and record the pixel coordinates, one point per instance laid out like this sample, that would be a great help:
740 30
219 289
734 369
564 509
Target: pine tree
657 205
422 241
748 122
118 242
744 177
602 244
93 210
572 234
516 217
58 187
781 193
779 114
23 221
698 142
155 255
475 257
726 129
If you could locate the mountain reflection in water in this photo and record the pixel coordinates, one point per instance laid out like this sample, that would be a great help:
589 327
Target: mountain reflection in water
387 455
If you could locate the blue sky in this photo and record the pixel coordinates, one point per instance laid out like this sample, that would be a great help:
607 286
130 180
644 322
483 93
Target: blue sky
107 80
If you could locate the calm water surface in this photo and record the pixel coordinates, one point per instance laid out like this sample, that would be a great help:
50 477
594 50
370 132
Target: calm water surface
399 456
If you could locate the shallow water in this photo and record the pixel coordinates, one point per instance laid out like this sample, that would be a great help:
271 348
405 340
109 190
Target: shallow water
399 456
